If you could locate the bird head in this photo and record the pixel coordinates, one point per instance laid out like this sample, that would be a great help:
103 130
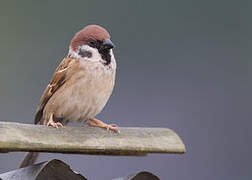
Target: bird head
92 40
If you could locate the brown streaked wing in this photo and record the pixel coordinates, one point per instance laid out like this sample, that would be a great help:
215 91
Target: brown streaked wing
58 79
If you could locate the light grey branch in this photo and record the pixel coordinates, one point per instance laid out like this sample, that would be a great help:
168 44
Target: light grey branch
88 140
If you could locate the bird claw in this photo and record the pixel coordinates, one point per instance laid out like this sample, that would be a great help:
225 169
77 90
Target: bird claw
113 127
98 123
55 125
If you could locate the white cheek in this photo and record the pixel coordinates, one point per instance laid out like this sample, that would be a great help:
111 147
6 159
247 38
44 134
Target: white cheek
95 54
96 57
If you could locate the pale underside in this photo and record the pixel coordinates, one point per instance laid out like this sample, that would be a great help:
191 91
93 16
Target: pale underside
79 89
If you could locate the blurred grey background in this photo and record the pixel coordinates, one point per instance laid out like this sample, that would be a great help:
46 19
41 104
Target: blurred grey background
182 64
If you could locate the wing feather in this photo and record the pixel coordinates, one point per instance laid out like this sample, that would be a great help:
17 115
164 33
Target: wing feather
59 77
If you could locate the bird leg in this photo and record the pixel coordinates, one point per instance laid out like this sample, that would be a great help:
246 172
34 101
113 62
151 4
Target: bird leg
52 123
97 123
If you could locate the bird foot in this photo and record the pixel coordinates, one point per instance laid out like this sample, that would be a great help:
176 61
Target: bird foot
97 123
53 124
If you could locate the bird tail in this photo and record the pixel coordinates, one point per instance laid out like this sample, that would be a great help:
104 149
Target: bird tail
29 159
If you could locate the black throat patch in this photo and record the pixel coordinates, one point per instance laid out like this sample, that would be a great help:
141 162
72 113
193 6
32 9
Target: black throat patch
105 54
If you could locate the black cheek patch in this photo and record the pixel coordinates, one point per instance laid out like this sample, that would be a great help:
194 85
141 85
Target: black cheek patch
85 53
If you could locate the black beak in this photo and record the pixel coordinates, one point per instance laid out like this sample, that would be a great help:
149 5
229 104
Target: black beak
107 44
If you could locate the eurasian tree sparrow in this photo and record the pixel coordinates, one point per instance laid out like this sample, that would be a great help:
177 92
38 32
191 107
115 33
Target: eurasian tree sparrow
81 84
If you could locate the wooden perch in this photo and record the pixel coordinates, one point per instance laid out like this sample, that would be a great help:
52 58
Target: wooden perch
88 140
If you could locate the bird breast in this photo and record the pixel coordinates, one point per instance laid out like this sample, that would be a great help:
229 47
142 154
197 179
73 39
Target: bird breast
84 95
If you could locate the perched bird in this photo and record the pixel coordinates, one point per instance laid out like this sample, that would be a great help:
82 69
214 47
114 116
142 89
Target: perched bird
81 84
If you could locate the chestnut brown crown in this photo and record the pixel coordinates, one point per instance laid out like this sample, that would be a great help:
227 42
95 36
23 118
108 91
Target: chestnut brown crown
94 32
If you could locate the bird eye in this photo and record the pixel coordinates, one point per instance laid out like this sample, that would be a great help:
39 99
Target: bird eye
92 42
